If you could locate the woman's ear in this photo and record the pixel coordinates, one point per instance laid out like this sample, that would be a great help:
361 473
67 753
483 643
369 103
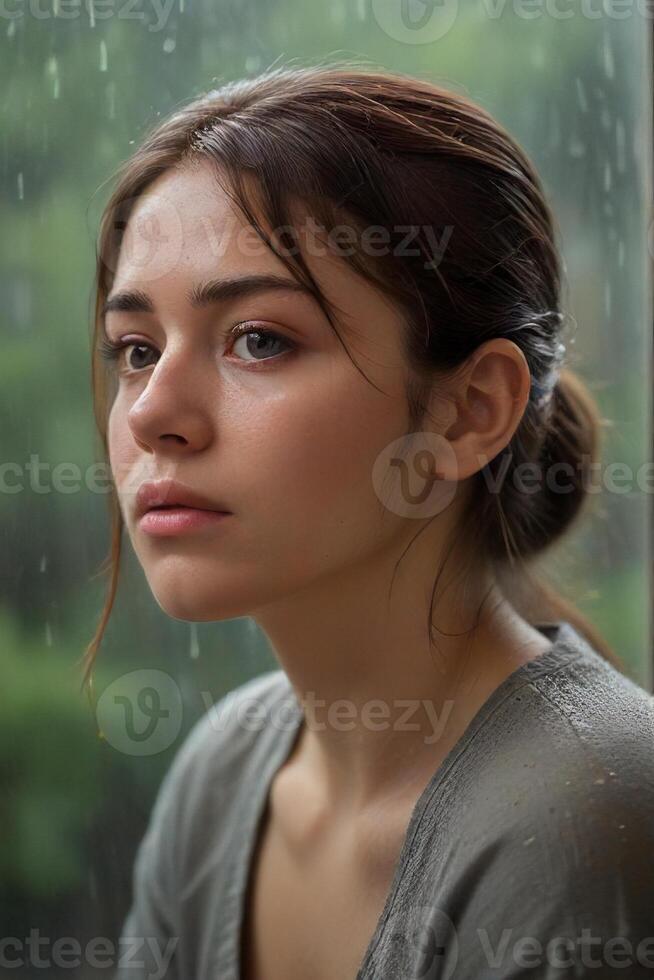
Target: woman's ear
487 403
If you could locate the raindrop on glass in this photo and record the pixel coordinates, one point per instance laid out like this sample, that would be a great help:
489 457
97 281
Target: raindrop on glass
607 177
620 141
576 148
581 95
194 649
53 70
609 65
111 100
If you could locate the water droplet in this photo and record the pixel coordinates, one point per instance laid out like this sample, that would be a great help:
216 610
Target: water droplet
609 64
169 45
48 634
44 562
103 55
21 189
581 95
607 177
11 30
181 6
599 781
621 826
576 148
91 11
529 840
195 646
52 69
621 141
111 100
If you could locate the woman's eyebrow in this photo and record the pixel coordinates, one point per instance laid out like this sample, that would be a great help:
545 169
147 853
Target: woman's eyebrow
207 293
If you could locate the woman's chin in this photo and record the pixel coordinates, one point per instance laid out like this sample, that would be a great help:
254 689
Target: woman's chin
198 608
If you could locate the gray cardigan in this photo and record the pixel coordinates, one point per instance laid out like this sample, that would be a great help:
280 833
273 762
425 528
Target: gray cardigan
530 853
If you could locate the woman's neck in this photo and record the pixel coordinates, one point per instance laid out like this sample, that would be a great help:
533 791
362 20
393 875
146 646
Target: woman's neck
382 704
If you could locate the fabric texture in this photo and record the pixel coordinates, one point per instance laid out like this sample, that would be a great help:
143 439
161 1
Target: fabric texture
530 853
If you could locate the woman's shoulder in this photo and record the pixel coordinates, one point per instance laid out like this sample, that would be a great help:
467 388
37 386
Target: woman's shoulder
237 730
540 827
568 730
223 753
579 707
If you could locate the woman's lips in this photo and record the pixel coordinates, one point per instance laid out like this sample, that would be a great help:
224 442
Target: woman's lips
168 521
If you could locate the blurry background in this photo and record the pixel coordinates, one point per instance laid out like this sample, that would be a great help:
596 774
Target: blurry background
80 85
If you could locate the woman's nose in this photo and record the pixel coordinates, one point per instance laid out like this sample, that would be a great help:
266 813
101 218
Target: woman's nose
171 412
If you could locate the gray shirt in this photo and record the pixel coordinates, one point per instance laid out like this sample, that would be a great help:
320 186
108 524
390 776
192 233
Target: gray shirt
529 854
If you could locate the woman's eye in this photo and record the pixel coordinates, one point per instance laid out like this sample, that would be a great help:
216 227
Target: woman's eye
139 353
250 345
259 345
115 352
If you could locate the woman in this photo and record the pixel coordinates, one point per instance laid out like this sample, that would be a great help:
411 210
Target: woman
332 398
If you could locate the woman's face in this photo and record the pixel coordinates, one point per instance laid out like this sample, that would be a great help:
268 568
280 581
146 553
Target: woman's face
283 431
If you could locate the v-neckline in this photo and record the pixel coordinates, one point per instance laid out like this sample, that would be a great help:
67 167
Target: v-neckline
229 964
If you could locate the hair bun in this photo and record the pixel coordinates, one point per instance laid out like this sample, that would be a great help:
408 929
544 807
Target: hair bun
570 447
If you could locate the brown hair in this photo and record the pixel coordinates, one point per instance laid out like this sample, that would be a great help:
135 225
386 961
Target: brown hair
390 150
